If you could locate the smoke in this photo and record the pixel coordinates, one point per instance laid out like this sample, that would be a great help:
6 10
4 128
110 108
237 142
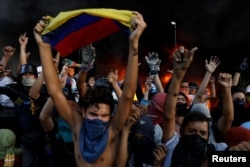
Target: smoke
216 27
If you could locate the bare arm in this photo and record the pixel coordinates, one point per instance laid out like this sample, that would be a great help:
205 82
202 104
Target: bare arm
50 75
23 41
112 78
212 86
45 116
210 68
180 66
80 83
148 86
123 152
158 84
130 82
225 121
34 91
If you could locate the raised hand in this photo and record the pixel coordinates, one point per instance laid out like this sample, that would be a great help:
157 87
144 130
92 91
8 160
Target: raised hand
153 62
23 40
113 76
138 25
212 64
8 51
38 29
88 57
225 80
182 58
132 119
160 153
243 65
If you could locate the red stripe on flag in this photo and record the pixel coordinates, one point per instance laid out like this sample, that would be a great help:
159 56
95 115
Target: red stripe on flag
86 35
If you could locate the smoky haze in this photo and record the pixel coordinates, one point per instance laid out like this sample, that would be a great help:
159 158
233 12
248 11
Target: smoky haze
216 27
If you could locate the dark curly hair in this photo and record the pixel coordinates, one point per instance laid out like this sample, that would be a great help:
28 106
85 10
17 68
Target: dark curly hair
97 95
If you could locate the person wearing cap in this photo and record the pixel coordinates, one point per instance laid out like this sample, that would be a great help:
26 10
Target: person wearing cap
236 135
140 142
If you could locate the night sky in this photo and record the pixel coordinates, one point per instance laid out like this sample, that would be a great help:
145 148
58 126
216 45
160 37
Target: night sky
216 27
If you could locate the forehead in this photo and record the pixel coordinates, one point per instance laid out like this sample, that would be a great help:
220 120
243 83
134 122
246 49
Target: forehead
238 95
100 108
184 83
197 125
181 97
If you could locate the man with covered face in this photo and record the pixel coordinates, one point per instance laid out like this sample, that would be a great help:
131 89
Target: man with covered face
194 129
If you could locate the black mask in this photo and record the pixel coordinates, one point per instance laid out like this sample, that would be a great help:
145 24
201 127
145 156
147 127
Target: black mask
191 151
239 105
181 109
142 149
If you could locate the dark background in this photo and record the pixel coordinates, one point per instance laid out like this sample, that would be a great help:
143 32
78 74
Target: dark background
216 27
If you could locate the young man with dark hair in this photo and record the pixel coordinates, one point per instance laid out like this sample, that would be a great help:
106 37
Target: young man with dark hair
95 133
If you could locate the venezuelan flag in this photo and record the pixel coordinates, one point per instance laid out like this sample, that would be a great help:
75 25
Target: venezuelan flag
72 30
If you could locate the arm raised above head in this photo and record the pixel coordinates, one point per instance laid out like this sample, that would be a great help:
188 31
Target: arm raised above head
130 82
182 58
50 75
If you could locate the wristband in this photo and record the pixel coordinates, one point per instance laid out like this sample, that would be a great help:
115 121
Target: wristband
144 102
154 73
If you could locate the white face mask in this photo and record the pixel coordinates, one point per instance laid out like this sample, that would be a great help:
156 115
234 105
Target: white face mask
28 81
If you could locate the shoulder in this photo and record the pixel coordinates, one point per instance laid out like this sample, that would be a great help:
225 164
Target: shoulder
220 146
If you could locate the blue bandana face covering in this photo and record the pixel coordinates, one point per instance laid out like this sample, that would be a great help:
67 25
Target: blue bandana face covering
93 139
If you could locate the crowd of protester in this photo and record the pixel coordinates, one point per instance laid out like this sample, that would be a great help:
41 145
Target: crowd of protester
52 117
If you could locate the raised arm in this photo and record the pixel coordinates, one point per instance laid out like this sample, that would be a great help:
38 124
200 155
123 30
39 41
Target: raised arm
88 58
148 86
123 150
225 121
23 41
154 62
8 52
182 58
45 116
131 76
210 68
50 76
34 91
112 78
243 66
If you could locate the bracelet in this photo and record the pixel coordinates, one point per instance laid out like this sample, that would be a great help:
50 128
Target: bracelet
144 102
154 73
173 94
